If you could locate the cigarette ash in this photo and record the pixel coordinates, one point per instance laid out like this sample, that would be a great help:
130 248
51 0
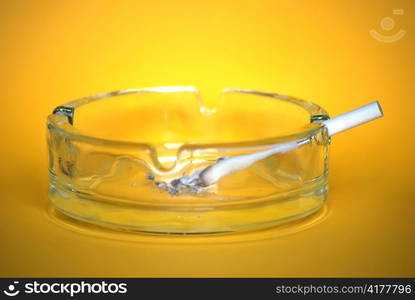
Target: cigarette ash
190 184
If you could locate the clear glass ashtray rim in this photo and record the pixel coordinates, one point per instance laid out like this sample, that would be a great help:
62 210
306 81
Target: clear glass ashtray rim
61 120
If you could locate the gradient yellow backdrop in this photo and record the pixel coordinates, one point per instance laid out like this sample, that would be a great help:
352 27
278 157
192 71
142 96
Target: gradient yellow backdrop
55 51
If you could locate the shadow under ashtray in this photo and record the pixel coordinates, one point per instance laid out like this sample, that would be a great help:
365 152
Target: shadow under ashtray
276 231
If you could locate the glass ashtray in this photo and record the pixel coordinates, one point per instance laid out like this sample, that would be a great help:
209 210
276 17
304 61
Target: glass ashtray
124 162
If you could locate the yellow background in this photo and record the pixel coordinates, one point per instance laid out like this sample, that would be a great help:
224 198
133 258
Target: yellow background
55 51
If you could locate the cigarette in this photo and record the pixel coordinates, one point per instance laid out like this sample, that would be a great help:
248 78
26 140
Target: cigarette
359 116
223 167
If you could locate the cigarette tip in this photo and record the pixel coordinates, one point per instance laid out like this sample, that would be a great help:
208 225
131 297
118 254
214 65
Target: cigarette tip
380 108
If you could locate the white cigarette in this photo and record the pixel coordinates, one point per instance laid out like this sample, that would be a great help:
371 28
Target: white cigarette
214 173
354 118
